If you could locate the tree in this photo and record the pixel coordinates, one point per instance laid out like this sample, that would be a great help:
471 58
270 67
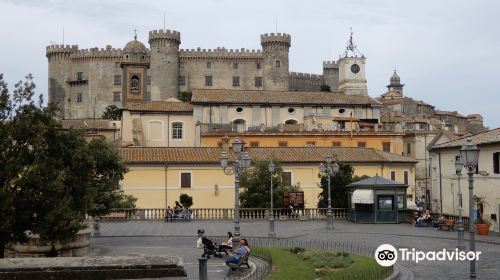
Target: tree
112 112
338 184
325 88
257 186
186 200
50 178
185 96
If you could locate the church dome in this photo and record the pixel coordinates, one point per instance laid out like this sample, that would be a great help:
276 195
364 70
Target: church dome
395 80
135 46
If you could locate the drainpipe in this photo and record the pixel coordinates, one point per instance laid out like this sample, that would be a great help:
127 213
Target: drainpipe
440 184
166 200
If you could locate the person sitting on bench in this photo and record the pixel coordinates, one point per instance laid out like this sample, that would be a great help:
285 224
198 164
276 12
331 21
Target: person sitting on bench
436 224
424 218
227 245
239 252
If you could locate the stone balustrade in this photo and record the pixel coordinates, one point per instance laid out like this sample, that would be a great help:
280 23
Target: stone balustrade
227 214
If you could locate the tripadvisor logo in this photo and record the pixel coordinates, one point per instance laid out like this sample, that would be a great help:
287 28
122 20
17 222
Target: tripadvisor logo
387 255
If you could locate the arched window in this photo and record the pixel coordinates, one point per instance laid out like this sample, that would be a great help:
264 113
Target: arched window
134 83
291 121
177 130
239 125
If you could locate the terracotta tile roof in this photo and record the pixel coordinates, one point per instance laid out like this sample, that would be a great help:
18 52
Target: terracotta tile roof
223 96
160 106
289 155
488 137
88 124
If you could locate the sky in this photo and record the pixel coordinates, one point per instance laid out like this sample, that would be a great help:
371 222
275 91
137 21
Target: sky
446 52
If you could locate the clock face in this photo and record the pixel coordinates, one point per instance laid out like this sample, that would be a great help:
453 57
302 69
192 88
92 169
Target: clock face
355 68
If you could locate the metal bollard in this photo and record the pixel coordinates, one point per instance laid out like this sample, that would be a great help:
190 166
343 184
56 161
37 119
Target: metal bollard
203 269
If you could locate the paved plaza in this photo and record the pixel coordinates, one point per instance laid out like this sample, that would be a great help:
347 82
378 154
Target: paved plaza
159 238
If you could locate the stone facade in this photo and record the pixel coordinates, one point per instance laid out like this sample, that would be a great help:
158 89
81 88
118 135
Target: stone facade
85 82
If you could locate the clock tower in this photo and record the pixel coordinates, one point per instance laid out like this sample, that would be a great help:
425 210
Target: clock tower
352 79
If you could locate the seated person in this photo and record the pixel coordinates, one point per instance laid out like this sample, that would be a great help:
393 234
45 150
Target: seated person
439 221
227 245
426 216
244 249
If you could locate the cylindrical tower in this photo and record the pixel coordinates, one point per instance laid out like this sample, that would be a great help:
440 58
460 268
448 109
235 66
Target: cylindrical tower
59 72
275 61
164 63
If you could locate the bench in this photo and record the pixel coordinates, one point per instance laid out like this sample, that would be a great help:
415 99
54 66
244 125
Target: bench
242 261
114 216
448 225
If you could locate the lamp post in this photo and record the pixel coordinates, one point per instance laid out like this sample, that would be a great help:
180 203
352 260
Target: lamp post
272 167
458 169
470 155
240 164
329 169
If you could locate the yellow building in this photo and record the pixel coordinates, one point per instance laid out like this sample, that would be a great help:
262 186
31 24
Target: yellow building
386 141
157 176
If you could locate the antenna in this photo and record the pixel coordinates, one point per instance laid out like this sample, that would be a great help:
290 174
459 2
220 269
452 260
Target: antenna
276 23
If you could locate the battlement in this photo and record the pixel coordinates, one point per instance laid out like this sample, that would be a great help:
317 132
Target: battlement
220 53
305 75
330 64
270 38
61 48
165 34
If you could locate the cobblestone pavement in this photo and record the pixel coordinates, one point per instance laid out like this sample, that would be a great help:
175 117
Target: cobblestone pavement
159 238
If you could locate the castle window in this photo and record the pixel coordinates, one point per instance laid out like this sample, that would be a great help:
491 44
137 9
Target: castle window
341 111
386 147
361 144
336 144
117 64
239 110
209 64
291 111
79 97
282 144
235 65
148 80
116 96
208 81
185 180
277 63
182 80
342 125
79 76
135 83
405 177
286 179
236 81
117 80
393 175
147 96
258 81
258 66
177 130
408 148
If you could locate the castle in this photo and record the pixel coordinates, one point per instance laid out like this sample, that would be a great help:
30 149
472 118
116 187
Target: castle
85 81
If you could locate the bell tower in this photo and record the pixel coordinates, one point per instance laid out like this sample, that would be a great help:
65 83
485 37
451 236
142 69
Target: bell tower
352 79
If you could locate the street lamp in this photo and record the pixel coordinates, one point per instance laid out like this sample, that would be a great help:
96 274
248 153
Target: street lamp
470 156
272 168
329 169
240 164
458 170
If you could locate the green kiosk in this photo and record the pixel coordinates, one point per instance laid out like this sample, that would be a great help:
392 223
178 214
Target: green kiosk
377 200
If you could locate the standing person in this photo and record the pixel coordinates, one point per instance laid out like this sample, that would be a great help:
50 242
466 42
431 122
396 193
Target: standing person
170 213
244 249
227 245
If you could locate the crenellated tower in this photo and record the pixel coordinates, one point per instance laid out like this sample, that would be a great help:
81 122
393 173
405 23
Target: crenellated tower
275 50
331 74
164 63
59 71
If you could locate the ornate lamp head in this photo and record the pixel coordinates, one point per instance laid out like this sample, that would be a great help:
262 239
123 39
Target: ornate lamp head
224 160
469 155
272 167
237 145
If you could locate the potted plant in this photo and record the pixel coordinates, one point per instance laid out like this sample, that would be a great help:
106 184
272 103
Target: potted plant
482 226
